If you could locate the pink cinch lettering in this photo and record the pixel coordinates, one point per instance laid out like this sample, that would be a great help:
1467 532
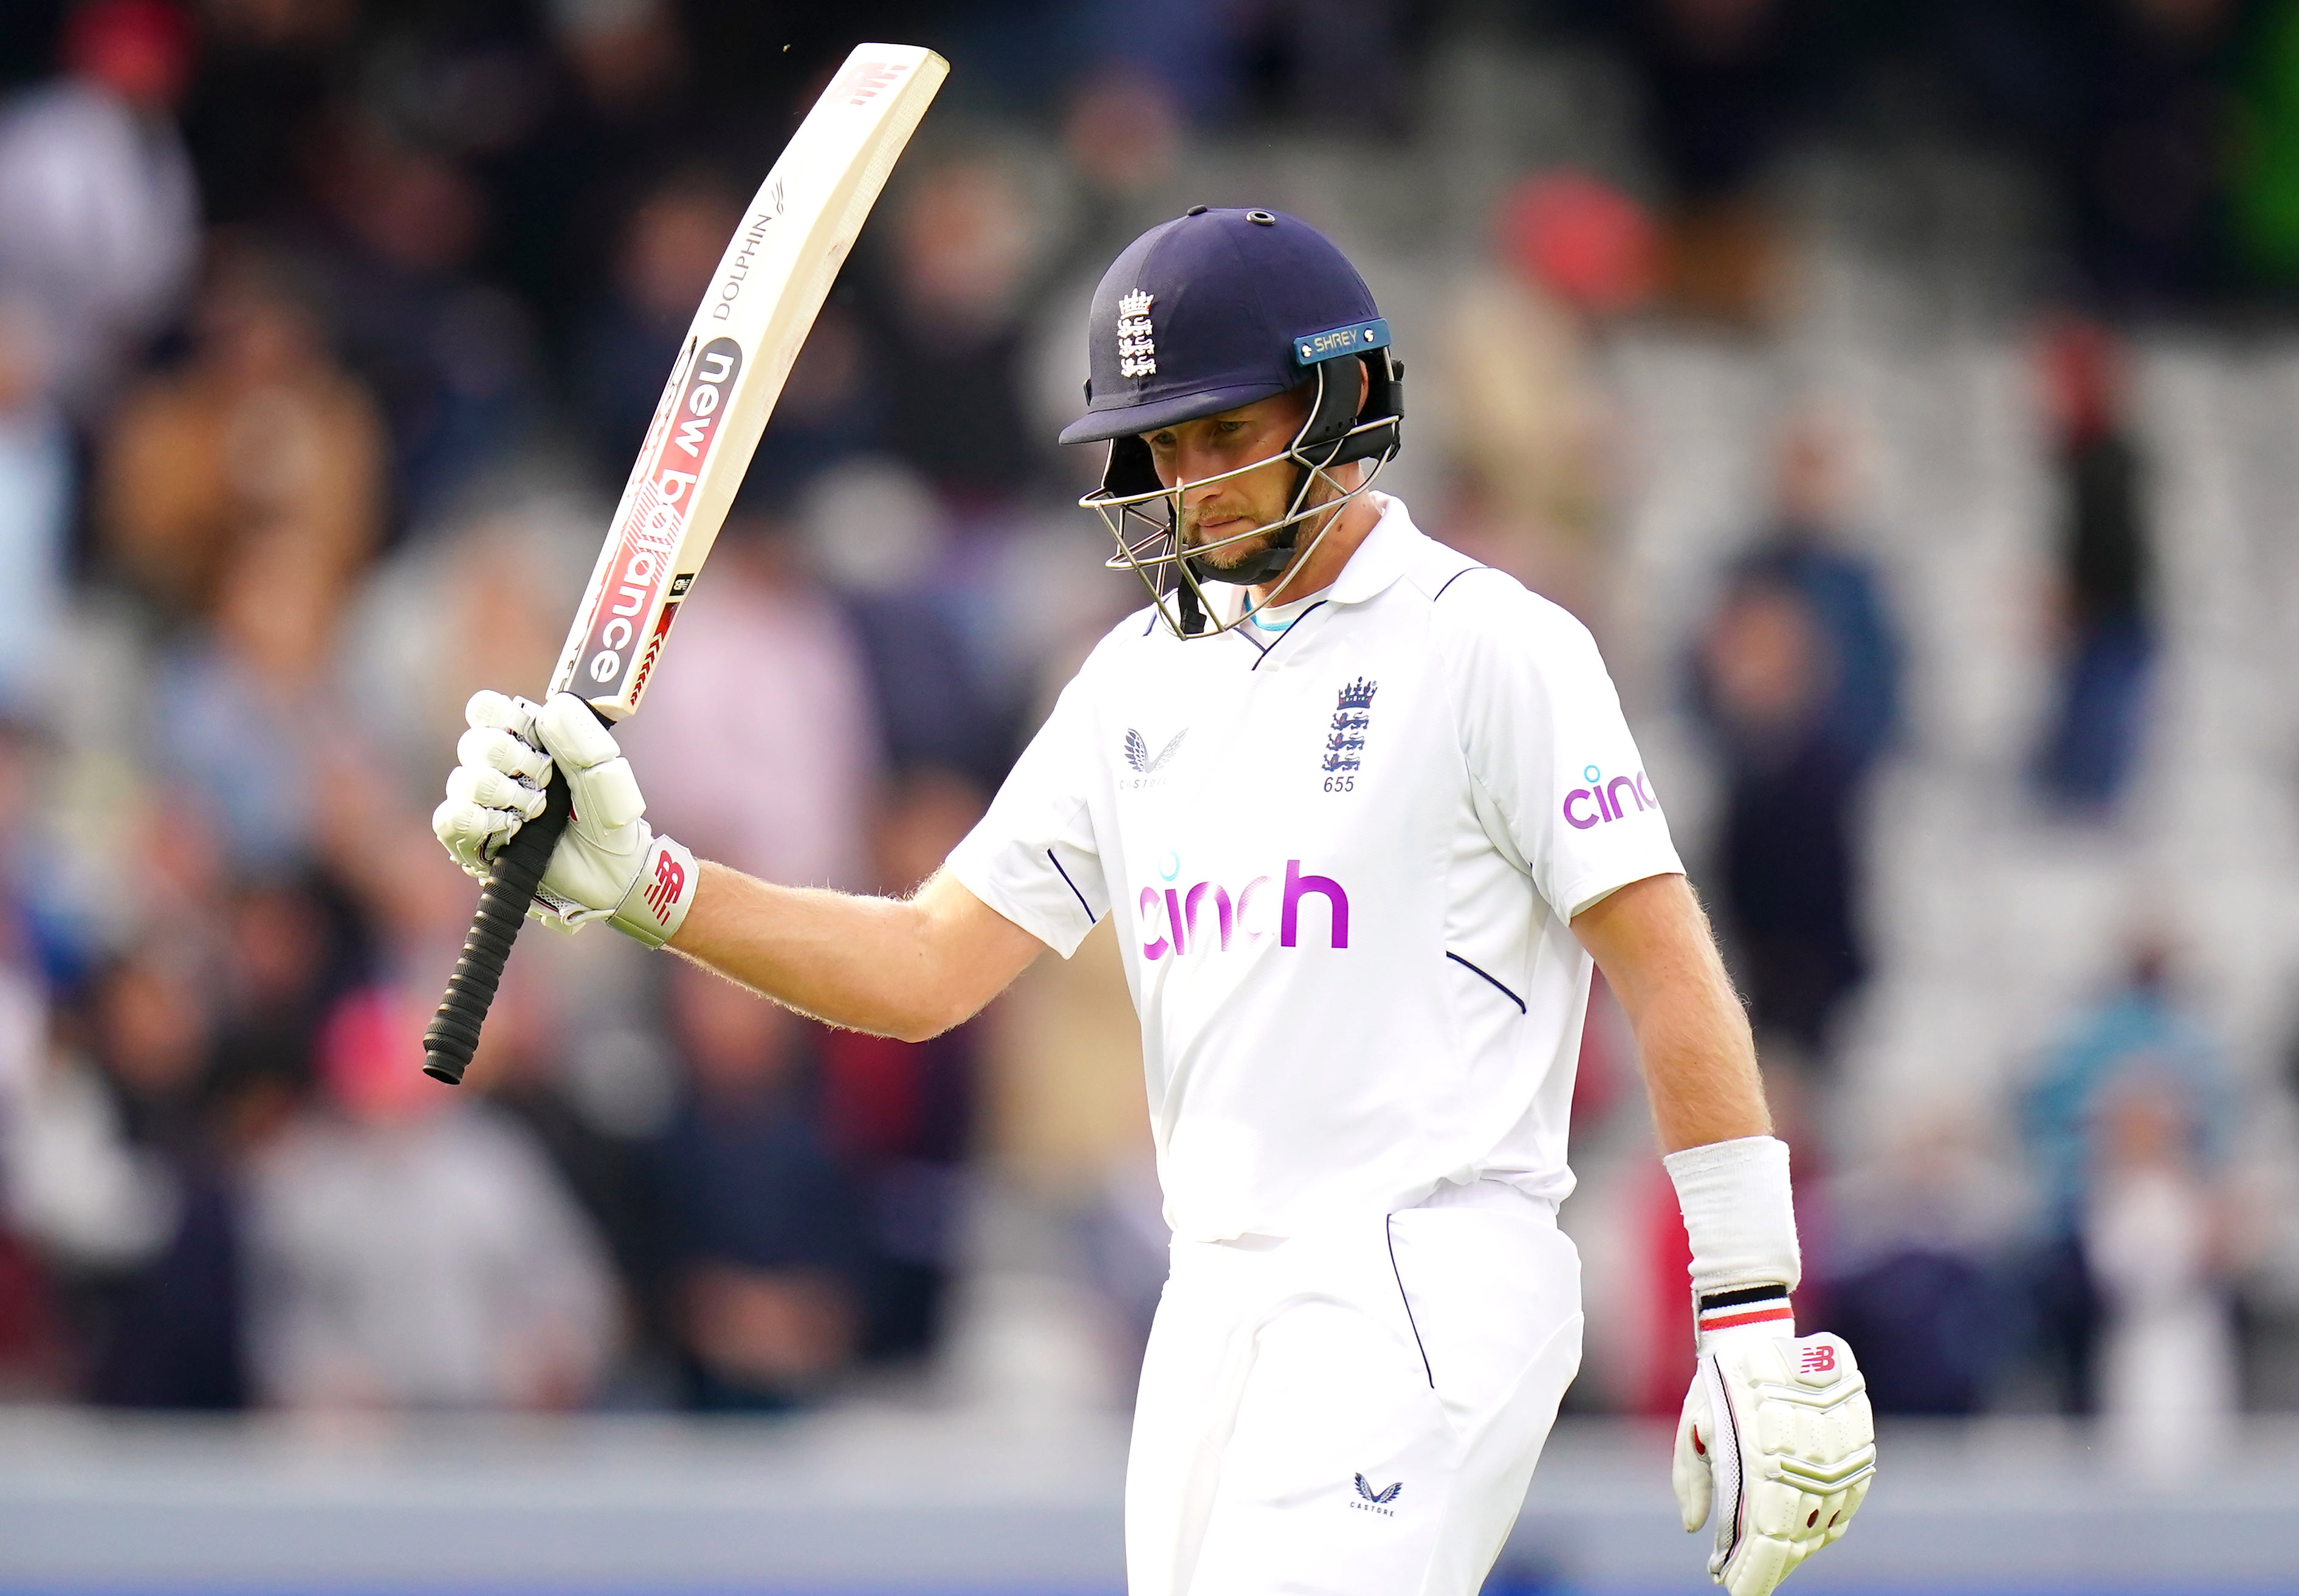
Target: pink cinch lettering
1575 821
1224 917
1151 950
1297 887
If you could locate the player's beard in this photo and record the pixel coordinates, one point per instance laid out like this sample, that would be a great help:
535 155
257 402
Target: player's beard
1226 522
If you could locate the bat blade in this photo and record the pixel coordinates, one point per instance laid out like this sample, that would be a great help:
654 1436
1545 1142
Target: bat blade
753 319
763 299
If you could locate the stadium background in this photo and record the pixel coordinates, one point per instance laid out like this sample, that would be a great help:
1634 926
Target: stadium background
1905 393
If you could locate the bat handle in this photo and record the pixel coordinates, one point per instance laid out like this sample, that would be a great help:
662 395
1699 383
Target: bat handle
455 1031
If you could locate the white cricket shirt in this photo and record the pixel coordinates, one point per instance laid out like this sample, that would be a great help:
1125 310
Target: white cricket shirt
1343 860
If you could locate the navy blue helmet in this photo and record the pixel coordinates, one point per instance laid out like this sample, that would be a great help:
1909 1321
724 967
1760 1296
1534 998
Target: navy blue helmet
1207 312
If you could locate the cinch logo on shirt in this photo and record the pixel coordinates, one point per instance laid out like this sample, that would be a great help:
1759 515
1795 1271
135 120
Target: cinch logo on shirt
1205 918
1600 799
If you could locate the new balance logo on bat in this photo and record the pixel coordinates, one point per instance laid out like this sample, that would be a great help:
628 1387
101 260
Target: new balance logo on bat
678 457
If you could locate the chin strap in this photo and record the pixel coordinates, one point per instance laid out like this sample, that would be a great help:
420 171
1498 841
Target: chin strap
1193 615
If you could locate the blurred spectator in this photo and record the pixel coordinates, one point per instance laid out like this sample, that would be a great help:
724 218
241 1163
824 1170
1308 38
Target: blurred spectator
671 244
902 1114
451 358
759 748
1122 131
613 108
1523 412
35 507
2155 1234
260 435
951 334
291 947
245 716
1721 81
265 69
1809 550
1797 677
1289 53
102 213
2106 618
163 1330
112 1175
877 534
764 1249
1915 1265
412 1247
2147 163
2135 1032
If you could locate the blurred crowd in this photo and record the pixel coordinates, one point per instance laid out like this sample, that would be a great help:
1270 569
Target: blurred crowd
328 328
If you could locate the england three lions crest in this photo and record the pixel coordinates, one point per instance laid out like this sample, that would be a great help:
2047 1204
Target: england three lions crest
1345 737
1137 347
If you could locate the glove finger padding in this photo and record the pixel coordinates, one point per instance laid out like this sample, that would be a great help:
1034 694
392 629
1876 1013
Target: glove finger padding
1689 1472
1788 1445
471 833
486 787
605 792
493 748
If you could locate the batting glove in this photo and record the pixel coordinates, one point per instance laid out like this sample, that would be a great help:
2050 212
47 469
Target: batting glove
607 864
1776 1444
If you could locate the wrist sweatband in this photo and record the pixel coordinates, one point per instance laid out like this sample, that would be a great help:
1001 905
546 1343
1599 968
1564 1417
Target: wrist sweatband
1741 1222
655 907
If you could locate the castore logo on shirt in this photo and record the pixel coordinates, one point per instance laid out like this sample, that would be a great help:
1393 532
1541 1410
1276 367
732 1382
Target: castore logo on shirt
1206 918
1600 799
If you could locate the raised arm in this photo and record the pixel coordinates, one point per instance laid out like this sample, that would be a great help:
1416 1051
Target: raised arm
1653 942
910 968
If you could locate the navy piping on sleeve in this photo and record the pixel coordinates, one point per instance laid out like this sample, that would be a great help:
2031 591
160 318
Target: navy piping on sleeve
1289 630
1089 914
1472 969
1389 1236
1455 577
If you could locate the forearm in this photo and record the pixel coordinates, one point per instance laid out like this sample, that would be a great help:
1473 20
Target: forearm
1700 1060
896 967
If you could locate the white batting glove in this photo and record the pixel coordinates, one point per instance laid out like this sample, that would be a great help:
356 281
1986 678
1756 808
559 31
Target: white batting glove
1776 1444
607 863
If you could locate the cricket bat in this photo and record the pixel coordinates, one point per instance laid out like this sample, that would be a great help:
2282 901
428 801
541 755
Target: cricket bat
754 317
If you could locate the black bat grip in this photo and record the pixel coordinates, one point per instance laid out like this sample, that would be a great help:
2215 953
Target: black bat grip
455 1031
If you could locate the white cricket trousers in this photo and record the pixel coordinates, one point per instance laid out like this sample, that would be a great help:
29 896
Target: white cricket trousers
1355 1412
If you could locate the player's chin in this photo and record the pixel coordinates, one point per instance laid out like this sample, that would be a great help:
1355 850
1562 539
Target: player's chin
1226 556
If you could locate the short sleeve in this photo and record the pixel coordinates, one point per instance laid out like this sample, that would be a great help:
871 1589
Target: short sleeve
1033 857
1559 780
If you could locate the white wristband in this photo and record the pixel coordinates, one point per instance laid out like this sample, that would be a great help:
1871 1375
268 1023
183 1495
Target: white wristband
1742 1221
656 906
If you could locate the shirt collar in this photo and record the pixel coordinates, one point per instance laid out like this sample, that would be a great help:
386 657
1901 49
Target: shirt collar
1383 557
